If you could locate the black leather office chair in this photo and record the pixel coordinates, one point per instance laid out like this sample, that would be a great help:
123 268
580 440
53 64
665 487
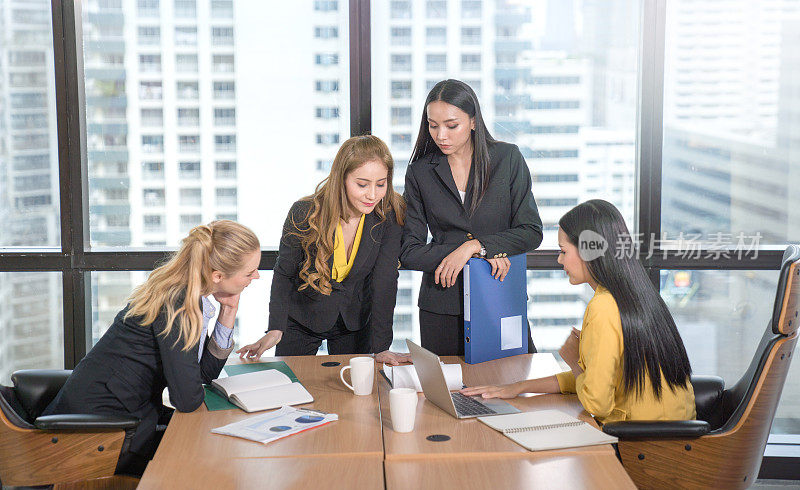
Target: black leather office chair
724 447
59 450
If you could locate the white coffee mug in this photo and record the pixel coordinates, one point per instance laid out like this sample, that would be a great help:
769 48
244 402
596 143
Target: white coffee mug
403 408
362 374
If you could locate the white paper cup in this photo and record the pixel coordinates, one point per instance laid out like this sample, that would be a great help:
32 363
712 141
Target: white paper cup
403 408
362 375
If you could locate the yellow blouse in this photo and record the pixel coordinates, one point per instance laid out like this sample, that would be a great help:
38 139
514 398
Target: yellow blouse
600 387
341 265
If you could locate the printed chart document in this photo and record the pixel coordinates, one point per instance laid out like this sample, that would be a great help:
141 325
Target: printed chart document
547 429
276 425
262 390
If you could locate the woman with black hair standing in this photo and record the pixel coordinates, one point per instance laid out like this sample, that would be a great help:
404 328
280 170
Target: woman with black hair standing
473 194
628 361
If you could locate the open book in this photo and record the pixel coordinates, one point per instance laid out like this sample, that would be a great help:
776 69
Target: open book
261 390
547 429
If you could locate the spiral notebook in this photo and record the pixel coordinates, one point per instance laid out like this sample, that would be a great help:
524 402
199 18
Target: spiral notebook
547 429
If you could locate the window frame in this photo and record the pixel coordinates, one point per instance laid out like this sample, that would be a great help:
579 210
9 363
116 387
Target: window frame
76 259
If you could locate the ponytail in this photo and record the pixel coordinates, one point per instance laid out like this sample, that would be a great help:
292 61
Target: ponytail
175 288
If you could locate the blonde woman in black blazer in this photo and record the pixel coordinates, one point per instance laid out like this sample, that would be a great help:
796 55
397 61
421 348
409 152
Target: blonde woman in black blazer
314 299
473 194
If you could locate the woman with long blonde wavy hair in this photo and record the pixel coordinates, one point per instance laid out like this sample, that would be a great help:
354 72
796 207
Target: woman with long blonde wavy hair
336 274
160 339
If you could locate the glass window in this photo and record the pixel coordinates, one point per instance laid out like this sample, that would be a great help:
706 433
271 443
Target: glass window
147 8
401 115
401 89
401 36
190 197
224 90
189 143
150 63
471 9
150 90
226 196
189 170
326 32
152 143
185 9
217 108
470 62
436 62
327 86
222 9
225 142
225 116
186 63
470 36
327 138
400 9
326 59
731 126
149 35
225 169
222 36
189 221
153 223
187 90
186 35
401 140
152 117
31 323
436 35
326 5
152 170
188 116
436 9
327 112
401 62
222 63
153 197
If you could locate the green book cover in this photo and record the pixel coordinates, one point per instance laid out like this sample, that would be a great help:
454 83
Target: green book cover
215 401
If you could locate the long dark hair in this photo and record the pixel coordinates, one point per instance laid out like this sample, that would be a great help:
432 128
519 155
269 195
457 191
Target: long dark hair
651 339
461 95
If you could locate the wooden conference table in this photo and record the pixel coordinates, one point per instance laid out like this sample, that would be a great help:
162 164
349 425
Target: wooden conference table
361 450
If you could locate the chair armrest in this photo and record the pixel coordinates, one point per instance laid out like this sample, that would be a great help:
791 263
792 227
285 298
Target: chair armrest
668 429
708 392
73 421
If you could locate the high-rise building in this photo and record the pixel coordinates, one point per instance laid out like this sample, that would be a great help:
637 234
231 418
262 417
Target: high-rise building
30 323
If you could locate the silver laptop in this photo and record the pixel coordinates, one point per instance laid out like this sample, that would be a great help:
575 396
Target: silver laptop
431 377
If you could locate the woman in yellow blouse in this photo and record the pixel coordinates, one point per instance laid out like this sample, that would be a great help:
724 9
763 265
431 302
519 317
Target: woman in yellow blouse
335 278
628 361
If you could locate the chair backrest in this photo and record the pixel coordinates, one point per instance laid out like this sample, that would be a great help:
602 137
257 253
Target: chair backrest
783 323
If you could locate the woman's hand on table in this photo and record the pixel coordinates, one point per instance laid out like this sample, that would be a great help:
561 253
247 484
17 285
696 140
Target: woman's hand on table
256 349
392 358
494 391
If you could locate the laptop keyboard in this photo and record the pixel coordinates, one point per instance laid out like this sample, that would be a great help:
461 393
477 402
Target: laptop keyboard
469 406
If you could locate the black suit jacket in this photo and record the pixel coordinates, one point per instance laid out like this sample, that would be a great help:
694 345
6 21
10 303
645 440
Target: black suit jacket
127 370
506 221
365 298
